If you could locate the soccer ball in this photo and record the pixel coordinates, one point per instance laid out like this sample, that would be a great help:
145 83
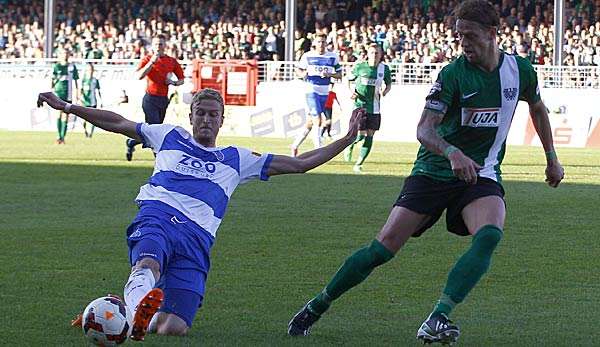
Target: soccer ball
106 321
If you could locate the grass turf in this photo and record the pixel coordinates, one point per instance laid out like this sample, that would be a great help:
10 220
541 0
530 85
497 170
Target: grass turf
65 210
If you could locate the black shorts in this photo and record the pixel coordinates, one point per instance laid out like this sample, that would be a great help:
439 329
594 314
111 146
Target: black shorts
429 196
372 122
327 112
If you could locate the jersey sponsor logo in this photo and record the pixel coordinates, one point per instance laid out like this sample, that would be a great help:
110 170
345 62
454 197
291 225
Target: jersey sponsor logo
510 93
468 96
368 81
480 117
194 166
317 70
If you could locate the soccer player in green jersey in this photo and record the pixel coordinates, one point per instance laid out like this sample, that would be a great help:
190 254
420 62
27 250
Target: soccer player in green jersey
64 75
462 132
369 75
90 93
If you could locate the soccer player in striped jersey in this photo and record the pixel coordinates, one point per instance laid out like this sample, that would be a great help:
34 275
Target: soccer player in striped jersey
64 76
183 203
317 67
463 132
370 76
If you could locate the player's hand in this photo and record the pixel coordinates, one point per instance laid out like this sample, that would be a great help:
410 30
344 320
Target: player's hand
358 116
354 96
52 100
154 58
554 173
463 167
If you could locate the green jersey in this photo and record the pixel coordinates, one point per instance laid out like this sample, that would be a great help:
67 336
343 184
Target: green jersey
63 76
89 86
479 107
368 85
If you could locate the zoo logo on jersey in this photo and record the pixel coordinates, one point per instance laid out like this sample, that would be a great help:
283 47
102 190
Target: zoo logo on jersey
480 117
193 166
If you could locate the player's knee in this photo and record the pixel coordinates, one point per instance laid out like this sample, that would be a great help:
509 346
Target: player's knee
489 236
172 325
148 263
379 253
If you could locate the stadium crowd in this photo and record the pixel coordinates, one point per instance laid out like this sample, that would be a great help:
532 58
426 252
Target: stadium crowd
409 30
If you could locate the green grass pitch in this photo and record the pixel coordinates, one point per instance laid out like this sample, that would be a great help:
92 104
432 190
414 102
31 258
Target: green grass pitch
65 209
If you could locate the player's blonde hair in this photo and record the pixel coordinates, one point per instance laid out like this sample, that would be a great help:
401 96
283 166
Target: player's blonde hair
207 94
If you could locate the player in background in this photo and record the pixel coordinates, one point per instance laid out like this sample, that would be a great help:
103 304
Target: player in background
328 111
369 77
316 67
463 132
64 77
90 94
183 203
155 68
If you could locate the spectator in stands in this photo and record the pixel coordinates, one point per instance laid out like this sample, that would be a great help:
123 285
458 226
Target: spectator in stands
215 29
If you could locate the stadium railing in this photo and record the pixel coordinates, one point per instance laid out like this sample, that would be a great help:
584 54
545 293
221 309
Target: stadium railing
404 74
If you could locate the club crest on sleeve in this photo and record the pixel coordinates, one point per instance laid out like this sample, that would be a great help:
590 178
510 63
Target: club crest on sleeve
219 155
436 88
510 93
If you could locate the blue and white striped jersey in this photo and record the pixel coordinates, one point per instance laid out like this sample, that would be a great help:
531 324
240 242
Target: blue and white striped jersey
193 179
315 64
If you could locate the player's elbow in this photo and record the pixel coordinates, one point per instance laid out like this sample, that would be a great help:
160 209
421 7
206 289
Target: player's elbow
298 166
421 135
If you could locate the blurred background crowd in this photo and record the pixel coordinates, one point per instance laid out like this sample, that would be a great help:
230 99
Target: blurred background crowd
410 31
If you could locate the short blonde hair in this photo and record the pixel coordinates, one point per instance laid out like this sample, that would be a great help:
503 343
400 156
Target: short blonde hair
207 94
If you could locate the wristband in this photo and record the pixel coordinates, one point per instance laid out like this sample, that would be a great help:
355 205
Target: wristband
450 149
551 155
67 108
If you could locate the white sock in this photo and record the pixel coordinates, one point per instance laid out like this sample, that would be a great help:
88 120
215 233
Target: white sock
153 323
317 137
140 282
300 138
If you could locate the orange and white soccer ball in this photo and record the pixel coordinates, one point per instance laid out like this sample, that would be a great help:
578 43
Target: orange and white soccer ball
106 321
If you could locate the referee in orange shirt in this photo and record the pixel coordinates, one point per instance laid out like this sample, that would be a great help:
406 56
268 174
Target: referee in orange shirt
155 68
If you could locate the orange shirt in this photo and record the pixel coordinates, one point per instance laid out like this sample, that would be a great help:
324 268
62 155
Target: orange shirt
330 97
157 76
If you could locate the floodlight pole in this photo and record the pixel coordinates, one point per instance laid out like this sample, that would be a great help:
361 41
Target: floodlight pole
49 16
559 13
290 28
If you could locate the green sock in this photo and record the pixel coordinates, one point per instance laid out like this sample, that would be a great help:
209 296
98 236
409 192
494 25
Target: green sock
469 269
355 269
359 138
59 127
64 129
365 150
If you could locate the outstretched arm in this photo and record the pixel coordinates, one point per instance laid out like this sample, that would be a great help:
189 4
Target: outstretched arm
106 120
464 168
539 116
283 164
